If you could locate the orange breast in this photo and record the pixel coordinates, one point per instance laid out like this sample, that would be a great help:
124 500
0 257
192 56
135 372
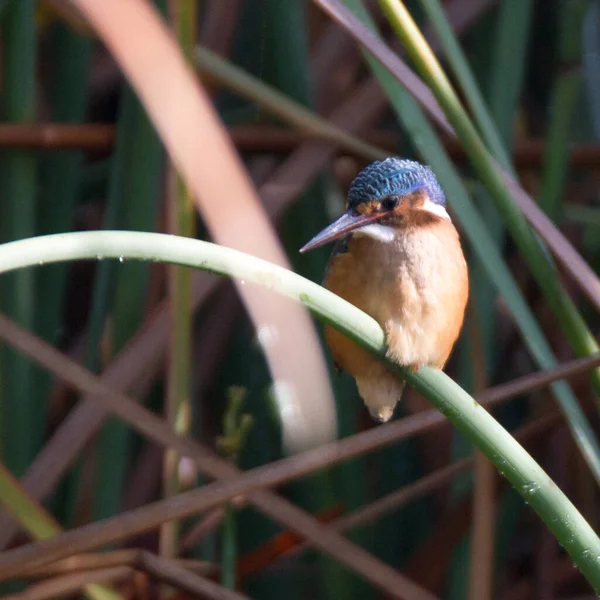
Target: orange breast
415 287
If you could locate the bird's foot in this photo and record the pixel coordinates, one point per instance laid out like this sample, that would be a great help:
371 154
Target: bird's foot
414 367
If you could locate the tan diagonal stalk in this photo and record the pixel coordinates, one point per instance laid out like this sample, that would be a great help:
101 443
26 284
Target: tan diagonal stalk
223 193
484 510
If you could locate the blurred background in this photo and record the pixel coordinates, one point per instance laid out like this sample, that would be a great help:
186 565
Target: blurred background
77 152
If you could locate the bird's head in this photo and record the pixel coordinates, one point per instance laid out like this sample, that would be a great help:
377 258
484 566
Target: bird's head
387 195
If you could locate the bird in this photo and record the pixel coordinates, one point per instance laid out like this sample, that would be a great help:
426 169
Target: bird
398 257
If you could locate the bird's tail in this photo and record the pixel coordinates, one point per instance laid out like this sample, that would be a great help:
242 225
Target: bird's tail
380 393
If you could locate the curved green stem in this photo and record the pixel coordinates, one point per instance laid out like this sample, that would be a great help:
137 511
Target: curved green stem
510 458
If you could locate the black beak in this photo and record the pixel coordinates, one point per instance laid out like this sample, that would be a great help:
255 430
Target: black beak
345 224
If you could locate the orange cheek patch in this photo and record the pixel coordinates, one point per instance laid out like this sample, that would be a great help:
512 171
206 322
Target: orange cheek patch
413 200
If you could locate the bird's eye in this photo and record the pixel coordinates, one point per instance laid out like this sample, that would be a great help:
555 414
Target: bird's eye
390 202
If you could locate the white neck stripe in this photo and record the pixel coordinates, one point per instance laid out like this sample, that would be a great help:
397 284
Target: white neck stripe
436 209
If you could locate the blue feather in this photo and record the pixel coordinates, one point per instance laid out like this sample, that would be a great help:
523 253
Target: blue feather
394 176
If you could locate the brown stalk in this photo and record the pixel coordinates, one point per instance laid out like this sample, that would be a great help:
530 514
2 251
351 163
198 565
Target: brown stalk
427 484
527 153
556 461
114 558
154 427
227 201
279 545
188 576
335 65
482 538
99 137
97 389
441 543
209 524
71 15
94 137
542 379
524 588
219 24
150 516
564 251
131 368
170 572
69 584
454 525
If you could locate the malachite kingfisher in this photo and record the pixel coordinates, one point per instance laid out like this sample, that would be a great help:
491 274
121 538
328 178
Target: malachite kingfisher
397 257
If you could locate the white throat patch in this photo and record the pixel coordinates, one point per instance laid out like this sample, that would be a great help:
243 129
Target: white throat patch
381 233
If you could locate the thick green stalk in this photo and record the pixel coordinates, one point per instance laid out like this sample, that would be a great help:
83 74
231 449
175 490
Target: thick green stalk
60 170
111 454
23 407
572 324
181 216
460 67
565 96
510 458
509 61
60 175
563 102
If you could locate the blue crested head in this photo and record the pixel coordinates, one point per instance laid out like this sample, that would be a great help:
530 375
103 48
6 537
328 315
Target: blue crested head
394 177
395 192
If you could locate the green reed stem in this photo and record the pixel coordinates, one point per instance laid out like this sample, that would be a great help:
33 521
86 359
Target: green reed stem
562 518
